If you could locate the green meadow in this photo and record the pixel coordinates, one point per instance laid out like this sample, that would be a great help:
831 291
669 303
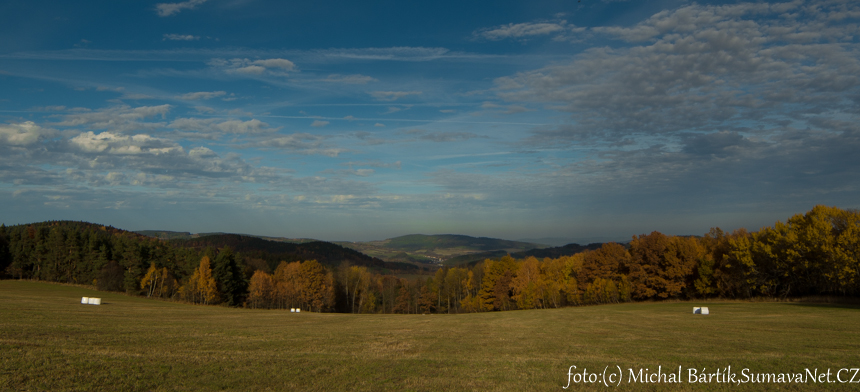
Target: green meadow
49 341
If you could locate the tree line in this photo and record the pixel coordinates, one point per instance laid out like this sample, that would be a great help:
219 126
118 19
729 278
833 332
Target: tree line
816 253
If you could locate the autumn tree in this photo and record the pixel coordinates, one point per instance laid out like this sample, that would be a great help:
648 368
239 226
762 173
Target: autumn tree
660 265
201 286
526 284
608 262
495 291
386 286
404 300
471 302
426 299
357 282
456 286
316 286
150 280
261 290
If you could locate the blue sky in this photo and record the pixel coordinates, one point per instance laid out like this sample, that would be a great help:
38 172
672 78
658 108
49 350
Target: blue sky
367 120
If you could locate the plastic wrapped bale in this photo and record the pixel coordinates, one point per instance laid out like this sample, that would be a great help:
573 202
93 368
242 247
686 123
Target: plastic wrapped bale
85 300
705 311
697 310
292 310
298 310
95 301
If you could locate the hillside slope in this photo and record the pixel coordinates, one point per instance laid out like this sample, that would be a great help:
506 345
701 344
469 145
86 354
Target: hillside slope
273 252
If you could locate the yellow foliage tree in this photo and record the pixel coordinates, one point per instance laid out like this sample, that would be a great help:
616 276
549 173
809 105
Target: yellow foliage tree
260 290
207 289
150 280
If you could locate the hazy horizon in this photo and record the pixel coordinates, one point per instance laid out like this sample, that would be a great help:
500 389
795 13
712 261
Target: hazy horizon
346 121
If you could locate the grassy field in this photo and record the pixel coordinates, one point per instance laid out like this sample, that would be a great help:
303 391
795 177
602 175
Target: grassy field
49 341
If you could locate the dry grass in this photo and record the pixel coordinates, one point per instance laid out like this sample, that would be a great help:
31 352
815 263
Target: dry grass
49 341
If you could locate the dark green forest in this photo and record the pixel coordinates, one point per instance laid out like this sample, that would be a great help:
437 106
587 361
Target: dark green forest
816 253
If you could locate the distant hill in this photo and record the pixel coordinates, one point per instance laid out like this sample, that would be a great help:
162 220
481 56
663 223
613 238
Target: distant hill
556 252
415 242
273 252
420 249
166 234
562 241
184 235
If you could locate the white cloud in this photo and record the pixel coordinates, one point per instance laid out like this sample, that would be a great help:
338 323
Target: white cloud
702 67
201 95
118 119
244 127
201 152
251 70
303 143
135 96
351 172
441 137
400 53
23 133
521 30
284 64
392 95
319 123
107 142
378 164
168 9
274 66
209 125
560 30
180 37
349 79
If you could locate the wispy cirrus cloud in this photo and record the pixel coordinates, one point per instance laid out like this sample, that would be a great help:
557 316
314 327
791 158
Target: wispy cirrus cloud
300 143
201 95
180 37
169 9
253 67
210 127
524 31
392 95
440 137
120 119
349 79
702 67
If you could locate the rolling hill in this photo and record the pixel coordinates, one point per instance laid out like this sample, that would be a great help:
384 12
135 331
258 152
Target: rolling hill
273 252
420 249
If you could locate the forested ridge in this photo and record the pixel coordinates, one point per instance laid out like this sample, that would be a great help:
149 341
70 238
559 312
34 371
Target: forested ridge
273 252
816 253
554 252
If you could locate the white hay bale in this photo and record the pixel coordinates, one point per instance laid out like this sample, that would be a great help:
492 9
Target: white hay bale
298 310
697 310
85 300
292 310
705 311
94 301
